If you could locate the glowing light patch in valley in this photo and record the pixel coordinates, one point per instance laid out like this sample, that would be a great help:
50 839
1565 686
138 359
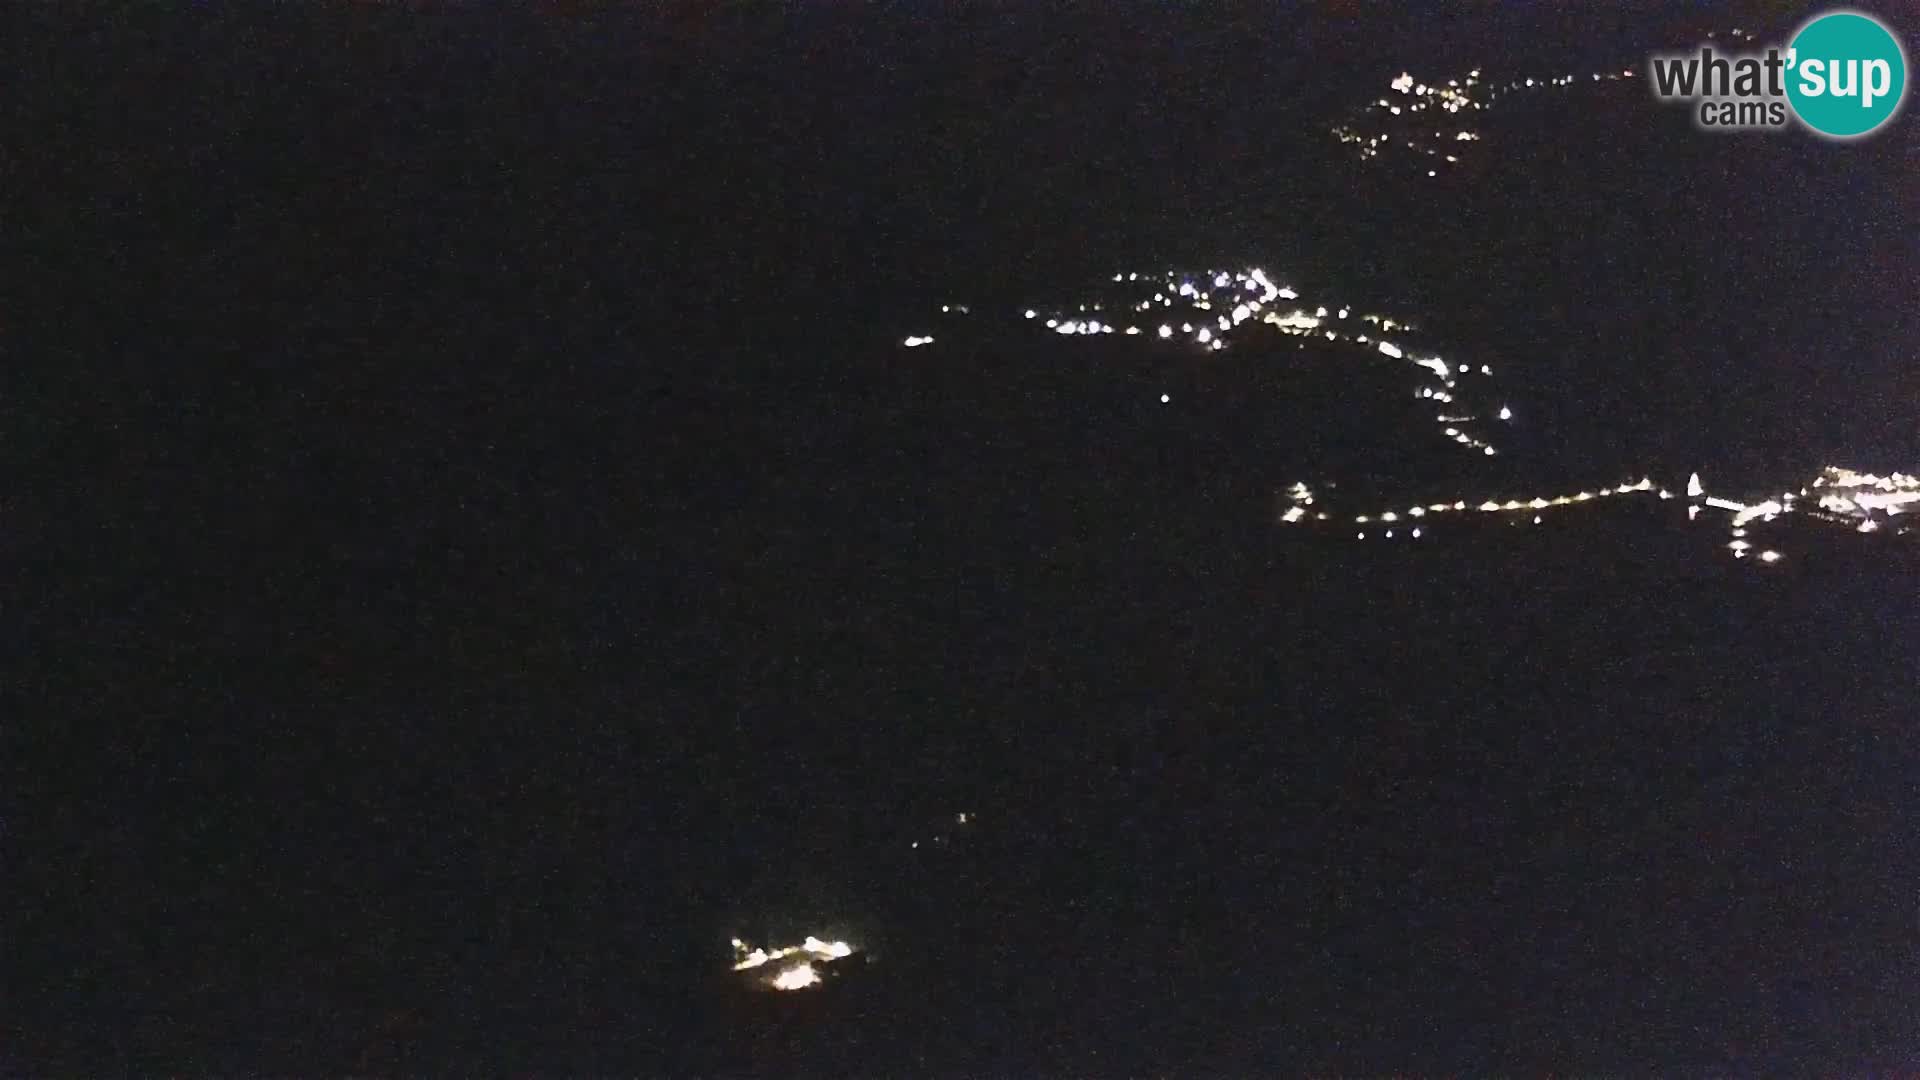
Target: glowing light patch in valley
798 977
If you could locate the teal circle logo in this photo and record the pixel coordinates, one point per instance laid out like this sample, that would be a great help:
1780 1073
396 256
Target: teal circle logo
1846 74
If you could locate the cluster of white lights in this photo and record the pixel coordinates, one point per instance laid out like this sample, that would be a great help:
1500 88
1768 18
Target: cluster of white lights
1840 496
1373 130
1211 310
796 969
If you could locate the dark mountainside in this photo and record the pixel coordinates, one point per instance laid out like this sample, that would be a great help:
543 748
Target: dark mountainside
482 546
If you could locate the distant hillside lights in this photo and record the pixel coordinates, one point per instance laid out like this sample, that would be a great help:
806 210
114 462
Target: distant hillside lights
1394 122
1223 319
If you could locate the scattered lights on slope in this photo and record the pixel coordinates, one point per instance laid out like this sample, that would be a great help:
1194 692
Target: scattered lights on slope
1423 119
1219 308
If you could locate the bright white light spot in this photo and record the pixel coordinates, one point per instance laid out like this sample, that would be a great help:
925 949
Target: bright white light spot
1204 336
1030 313
797 977
1164 398
1388 348
1694 487
1506 413
836 950
916 342
1770 556
1416 534
1165 332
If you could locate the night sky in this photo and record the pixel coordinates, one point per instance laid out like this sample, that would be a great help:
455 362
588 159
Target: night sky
477 545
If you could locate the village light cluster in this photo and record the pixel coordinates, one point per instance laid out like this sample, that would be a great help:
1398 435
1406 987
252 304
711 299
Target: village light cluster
1213 310
1405 120
1839 496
